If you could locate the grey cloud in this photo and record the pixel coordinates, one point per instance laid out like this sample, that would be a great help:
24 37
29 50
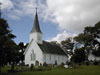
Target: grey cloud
70 15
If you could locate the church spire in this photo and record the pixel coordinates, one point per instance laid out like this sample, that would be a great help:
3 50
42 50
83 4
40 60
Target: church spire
36 27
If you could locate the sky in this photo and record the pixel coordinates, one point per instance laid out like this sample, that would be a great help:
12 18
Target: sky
58 19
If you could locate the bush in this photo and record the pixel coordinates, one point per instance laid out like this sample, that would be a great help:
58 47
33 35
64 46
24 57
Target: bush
45 64
96 63
62 64
32 67
50 66
87 63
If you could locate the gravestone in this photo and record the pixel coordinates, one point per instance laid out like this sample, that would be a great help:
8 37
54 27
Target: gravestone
36 63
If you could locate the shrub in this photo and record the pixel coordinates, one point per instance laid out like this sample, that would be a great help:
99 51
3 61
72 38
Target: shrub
45 64
87 63
50 66
62 64
32 67
96 63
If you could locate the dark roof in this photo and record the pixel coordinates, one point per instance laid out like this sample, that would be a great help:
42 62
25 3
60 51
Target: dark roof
47 47
36 27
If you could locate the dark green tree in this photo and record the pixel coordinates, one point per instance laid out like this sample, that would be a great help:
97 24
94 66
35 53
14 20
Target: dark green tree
79 55
67 46
8 48
55 43
86 40
22 49
90 38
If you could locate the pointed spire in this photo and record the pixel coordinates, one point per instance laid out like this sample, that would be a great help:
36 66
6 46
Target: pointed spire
36 27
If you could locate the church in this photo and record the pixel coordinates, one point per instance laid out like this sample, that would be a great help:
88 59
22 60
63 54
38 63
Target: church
42 51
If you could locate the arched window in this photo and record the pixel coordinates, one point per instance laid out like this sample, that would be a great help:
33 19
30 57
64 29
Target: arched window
33 56
50 57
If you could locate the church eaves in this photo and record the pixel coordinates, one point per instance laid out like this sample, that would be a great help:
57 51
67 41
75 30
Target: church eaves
36 27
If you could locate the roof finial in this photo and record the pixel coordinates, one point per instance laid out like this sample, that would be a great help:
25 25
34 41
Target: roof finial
0 9
36 9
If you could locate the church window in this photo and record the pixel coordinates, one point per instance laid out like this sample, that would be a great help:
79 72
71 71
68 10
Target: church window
32 55
50 57
44 57
54 57
62 58
58 57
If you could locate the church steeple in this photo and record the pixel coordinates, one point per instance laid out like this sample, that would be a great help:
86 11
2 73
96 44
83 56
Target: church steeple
36 33
36 27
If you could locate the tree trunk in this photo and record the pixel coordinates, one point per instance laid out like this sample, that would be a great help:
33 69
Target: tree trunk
12 67
0 69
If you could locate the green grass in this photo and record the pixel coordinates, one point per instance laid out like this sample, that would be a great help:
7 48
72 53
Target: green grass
82 70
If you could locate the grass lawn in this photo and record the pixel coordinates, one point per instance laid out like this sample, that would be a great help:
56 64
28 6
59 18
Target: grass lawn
82 70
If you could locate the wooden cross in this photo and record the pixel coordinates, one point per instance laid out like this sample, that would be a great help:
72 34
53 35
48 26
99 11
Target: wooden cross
36 9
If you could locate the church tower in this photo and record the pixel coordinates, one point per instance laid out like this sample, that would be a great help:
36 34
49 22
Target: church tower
36 33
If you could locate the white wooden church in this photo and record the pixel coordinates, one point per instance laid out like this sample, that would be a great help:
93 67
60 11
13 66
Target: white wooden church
42 51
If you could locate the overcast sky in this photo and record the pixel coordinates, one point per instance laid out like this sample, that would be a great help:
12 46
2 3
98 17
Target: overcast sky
59 19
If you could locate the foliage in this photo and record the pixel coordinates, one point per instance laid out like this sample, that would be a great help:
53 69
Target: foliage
90 39
79 55
45 64
22 48
32 67
8 48
55 43
67 46
96 52
96 63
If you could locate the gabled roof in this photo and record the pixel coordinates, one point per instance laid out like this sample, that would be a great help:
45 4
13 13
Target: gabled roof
36 27
47 47
28 47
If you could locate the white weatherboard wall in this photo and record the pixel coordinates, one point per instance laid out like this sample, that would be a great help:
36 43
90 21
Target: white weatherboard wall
37 51
51 58
36 36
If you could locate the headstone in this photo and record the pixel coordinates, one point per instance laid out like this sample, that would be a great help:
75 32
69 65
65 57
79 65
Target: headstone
36 63
66 66
55 62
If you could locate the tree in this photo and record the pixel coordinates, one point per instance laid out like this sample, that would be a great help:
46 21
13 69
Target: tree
96 52
79 55
90 38
22 49
67 46
86 40
8 48
96 42
55 43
